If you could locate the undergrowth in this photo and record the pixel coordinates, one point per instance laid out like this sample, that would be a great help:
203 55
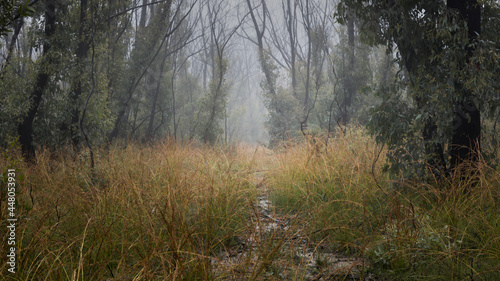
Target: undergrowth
163 212
189 212
447 229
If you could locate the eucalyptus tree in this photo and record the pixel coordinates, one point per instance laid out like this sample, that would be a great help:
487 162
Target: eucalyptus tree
186 86
174 58
217 37
25 128
82 50
277 121
152 35
284 38
445 78
315 23
69 64
295 39
15 71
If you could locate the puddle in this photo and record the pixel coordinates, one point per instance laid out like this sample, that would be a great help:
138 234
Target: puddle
299 257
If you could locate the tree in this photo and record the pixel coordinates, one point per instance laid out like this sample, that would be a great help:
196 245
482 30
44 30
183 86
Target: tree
297 42
439 50
213 104
153 35
172 57
81 55
51 65
277 118
25 129
466 142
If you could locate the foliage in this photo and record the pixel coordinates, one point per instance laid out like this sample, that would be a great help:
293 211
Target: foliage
327 76
432 47
14 99
352 80
211 109
12 9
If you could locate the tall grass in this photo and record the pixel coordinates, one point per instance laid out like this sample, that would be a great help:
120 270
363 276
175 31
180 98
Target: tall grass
163 212
190 212
443 230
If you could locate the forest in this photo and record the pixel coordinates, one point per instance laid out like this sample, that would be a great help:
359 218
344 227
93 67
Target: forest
250 139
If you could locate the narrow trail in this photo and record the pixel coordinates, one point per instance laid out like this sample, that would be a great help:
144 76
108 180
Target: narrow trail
295 256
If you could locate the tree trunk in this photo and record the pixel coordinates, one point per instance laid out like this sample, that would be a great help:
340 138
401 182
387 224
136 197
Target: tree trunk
465 144
25 129
156 93
304 126
18 24
434 150
122 115
81 55
292 34
466 140
349 72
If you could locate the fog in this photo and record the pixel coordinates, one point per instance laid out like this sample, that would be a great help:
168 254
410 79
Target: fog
92 72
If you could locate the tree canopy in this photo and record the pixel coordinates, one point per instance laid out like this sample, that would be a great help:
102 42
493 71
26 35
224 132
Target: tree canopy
448 59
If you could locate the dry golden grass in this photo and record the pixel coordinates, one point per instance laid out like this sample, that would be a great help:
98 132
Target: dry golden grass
142 213
443 230
193 212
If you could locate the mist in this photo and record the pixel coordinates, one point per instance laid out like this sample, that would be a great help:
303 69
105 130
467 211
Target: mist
250 140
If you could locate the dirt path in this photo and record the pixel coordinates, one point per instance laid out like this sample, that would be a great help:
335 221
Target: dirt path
275 246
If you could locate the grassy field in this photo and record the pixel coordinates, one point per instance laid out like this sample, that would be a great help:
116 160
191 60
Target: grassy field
309 211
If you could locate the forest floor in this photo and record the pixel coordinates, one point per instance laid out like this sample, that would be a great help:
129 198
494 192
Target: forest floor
304 211
270 224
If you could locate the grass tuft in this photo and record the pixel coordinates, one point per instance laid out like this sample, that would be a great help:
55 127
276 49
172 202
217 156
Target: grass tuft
444 230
